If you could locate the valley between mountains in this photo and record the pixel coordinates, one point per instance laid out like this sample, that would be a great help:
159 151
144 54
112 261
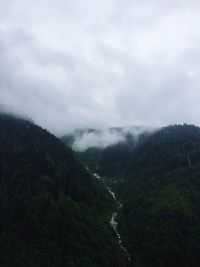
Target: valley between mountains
113 223
156 175
140 209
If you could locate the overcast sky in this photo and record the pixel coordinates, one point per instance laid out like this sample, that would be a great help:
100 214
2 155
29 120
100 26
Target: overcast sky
95 63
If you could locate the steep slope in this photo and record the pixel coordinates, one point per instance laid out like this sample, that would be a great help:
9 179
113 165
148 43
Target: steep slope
53 213
160 191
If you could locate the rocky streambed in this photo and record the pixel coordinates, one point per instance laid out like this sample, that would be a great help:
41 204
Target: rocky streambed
113 222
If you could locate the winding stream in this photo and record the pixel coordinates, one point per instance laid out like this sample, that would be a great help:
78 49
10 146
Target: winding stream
113 221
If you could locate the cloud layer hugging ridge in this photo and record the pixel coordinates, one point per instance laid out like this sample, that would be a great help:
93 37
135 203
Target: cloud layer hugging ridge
72 64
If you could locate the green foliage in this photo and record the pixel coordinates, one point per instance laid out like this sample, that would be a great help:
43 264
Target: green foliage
53 213
160 220
157 178
91 158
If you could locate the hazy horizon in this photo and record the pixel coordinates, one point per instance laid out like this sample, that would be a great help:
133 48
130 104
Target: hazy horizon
70 65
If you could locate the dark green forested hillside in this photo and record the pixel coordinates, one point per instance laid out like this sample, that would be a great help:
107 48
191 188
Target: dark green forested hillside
157 179
52 212
160 220
91 158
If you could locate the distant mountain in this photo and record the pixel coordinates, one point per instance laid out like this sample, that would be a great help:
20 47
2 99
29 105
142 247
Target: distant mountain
82 139
52 211
96 148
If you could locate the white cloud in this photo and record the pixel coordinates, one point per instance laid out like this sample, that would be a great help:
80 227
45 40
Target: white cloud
106 137
100 140
72 64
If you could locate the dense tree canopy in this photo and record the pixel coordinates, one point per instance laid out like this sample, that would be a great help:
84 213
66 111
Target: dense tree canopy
52 211
157 179
160 220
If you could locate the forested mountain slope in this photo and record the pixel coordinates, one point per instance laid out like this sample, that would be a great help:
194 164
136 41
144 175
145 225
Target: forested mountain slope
52 211
160 191
157 178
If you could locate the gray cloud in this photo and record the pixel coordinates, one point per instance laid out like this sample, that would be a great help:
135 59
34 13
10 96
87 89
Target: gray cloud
103 138
70 64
